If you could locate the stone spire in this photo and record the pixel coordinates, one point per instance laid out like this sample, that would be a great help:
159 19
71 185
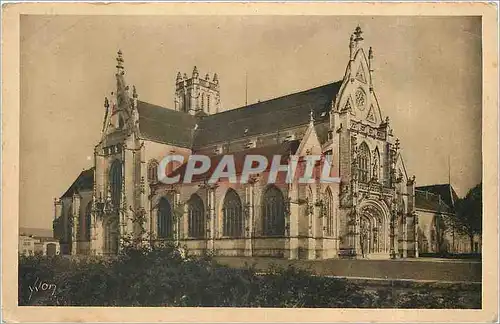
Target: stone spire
134 92
179 77
119 63
216 79
358 32
207 77
195 72
106 114
351 47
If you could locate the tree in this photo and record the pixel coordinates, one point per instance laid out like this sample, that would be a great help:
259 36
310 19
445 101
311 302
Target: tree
440 229
469 214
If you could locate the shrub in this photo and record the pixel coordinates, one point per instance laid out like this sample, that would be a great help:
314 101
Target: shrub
162 276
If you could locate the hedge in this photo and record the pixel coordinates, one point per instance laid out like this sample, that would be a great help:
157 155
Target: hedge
160 276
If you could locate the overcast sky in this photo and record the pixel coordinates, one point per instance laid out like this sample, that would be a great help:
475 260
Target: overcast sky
427 79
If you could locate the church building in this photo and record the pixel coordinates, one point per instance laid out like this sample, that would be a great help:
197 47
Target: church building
372 212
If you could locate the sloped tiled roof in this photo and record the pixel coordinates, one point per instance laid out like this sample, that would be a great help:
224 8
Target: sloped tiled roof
165 125
36 232
429 201
267 116
283 149
85 181
446 191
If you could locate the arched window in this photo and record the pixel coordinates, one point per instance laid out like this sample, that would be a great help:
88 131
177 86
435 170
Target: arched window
153 171
376 165
363 163
232 213
88 213
273 212
196 217
115 182
329 213
164 220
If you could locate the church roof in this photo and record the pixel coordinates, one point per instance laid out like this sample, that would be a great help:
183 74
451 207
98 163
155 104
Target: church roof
36 232
164 125
283 149
436 198
267 116
446 191
85 181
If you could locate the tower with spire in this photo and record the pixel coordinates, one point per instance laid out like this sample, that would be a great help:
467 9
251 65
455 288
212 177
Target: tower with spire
197 95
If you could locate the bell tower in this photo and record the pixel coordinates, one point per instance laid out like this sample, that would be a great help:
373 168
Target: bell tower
197 95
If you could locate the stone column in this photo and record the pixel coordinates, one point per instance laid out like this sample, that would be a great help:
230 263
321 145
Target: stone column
249 217
311 230
319 222
211 217
292 222
75 231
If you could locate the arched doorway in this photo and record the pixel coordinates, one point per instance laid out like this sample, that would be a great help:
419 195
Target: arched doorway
373 229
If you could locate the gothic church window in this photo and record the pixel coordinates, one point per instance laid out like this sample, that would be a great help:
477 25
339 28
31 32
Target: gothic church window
363 163
164 219
153 171
88 212
273 212
233 216
196 217
115 182
329 213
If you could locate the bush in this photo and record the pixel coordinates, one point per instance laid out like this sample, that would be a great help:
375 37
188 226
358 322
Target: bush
162 276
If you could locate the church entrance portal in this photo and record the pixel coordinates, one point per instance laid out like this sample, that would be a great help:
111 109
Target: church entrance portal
373 232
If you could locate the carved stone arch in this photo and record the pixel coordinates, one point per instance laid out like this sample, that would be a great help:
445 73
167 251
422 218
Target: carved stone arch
374 226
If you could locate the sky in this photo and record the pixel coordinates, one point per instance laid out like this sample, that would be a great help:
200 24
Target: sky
427 78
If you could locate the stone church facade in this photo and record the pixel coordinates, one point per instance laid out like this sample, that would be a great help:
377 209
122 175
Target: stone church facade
372 212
